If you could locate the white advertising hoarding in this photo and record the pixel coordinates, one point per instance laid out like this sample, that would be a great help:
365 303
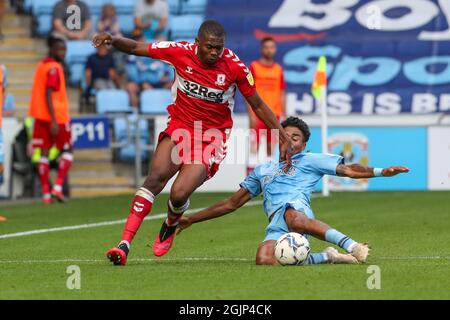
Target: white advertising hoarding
439 158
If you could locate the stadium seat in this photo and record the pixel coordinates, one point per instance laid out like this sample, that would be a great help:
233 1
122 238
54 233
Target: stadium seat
78 51
155 101
193 6
126 22
185 26
112 100
41 7
124 6
27 5
128 152
76 73
174 6
95 6
44 24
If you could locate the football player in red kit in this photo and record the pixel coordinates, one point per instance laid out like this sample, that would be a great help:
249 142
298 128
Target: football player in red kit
200 121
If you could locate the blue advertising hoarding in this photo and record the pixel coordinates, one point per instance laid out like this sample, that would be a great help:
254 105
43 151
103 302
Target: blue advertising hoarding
90 132
385 57
378 147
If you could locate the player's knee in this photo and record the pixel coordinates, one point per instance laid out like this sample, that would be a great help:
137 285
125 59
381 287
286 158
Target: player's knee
264 260
178 196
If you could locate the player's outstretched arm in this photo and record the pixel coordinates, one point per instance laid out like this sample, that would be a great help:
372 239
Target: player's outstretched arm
266 115
237 200
122 44
357 171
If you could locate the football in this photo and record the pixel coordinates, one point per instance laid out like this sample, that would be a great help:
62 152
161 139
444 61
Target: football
292 249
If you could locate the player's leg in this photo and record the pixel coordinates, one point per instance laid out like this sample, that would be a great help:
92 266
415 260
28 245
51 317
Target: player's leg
42 140
298 221
190 177
64 145
265 253
161 170
276 228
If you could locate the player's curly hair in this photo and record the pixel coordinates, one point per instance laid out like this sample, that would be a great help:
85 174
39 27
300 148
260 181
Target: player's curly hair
213 28
298 123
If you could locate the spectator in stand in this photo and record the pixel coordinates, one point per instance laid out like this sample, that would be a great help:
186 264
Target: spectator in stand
151 19
100 71
66 25
109 21
145 73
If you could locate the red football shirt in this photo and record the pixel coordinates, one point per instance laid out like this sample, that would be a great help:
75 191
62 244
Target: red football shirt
203 92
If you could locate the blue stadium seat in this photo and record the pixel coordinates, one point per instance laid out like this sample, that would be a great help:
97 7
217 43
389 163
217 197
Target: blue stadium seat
120 133
41 7
112 100
95 6
126 22
127 154
78 51
44 24
155 101
124 6
76 71
28 5
185 26
174 6
193 6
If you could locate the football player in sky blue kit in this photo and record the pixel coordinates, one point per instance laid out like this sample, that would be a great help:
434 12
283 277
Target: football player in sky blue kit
286 199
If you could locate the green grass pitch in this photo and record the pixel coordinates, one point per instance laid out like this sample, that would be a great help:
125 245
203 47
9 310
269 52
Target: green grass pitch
409 233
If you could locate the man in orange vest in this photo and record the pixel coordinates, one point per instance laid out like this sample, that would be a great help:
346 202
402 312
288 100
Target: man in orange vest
49 107
269 80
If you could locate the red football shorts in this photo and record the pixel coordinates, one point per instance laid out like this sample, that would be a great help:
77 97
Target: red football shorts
197 145
43 139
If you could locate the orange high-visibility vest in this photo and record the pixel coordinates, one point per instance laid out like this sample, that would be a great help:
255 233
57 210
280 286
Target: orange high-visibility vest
38 104
269 82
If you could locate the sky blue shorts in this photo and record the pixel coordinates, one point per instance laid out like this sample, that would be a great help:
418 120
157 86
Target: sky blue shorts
278 226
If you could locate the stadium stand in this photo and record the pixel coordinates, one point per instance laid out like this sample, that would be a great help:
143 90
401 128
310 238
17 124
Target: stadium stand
112 100
155 101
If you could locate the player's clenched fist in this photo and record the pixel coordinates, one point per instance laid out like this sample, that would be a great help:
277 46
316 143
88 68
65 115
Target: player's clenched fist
100 39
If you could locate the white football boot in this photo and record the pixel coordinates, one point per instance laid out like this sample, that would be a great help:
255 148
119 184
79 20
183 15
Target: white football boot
360 251
335 257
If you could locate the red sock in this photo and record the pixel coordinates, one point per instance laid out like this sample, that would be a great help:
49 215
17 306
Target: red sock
140 208
44 175
174 214
65 162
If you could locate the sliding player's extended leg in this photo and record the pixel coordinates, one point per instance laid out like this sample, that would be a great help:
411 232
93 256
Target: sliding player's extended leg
190 177
266 255
162 169
299 222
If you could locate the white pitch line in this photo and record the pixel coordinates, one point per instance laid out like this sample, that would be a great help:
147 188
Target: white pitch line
205 259
101 224
187 259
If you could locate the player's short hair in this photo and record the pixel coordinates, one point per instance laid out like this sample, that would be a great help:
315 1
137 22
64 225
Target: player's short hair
298 123
52 40
213 28
267 39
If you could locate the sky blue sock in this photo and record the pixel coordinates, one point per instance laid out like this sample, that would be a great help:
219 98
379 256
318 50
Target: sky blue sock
316 258
339 239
